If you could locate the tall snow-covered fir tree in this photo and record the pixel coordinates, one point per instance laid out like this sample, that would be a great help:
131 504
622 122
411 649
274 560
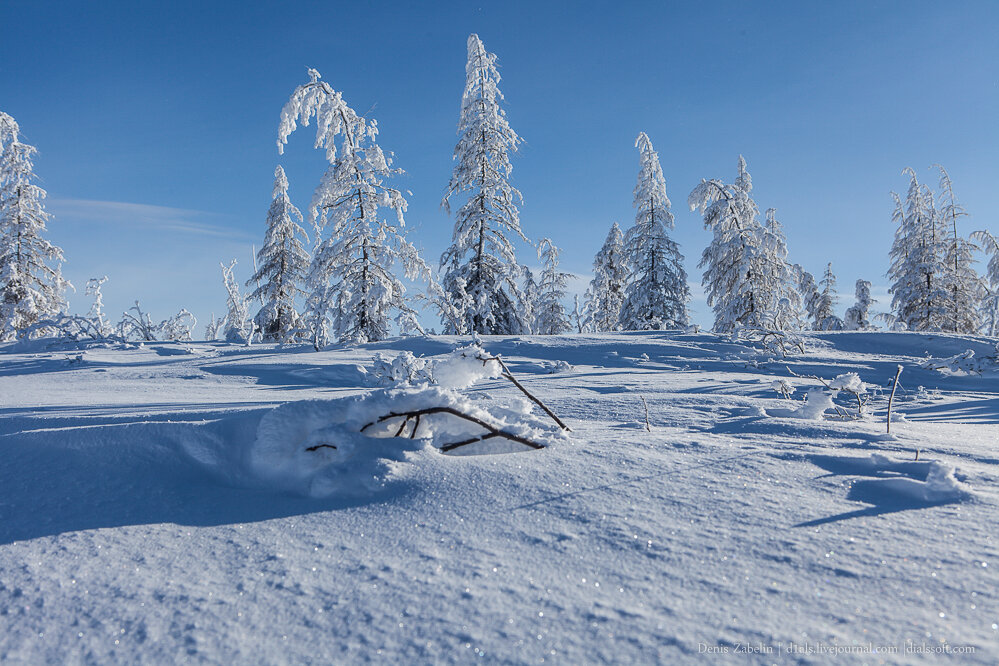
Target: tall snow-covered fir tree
481 269
857 315
531 295
918 260
550 317
825 312
351 280
31 284
606 292
961 281
657 293
810 295
786 306
989 309
282 265
746 270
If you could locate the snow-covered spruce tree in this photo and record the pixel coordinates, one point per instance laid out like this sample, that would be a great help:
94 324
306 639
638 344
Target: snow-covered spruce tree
825 312
786 312
238 327
283 262
606 292
31 284
964 286
746 271
918 260
857 315
480 267
351 282
990 303
657 293
212 328
530 296
576 316
810 295
550 317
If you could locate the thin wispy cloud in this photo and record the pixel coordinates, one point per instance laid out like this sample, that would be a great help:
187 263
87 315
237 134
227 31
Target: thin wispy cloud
146 216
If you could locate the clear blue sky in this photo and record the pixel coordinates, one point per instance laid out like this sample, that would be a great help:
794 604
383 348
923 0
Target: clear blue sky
156 121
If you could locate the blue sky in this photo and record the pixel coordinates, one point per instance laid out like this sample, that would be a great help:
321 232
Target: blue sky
156 121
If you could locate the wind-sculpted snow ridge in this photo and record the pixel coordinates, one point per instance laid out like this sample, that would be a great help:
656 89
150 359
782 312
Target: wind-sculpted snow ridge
355 446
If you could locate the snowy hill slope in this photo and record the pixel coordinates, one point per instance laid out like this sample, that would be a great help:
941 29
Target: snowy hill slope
133 529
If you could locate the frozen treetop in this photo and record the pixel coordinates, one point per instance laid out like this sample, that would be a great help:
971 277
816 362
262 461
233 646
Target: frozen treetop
333 117
8 130
650 190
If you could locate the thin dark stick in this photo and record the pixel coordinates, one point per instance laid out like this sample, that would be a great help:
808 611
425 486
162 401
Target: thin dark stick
647 425
509 375
891 398
321 446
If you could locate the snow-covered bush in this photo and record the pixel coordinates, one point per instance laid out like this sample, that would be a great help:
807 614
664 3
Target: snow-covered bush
963 363
404 369
137 325
458 369
783 387
819 399
179 327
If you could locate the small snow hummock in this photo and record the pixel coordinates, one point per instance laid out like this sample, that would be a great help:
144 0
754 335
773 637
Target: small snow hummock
940 484
352 446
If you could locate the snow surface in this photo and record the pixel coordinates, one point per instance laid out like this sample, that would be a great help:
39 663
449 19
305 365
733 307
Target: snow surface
156 506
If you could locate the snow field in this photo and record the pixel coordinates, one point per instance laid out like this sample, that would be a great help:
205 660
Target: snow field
156 506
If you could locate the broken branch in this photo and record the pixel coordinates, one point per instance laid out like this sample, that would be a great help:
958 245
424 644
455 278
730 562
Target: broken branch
509 375
492 431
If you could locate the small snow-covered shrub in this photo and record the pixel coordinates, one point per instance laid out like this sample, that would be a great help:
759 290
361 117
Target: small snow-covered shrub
459 369
819 400
403 369
179 327
964 363
783 387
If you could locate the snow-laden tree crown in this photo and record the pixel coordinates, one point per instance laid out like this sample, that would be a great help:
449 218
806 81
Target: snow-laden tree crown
352 285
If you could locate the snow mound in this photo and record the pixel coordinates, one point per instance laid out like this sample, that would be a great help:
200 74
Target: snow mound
358 445
940 485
